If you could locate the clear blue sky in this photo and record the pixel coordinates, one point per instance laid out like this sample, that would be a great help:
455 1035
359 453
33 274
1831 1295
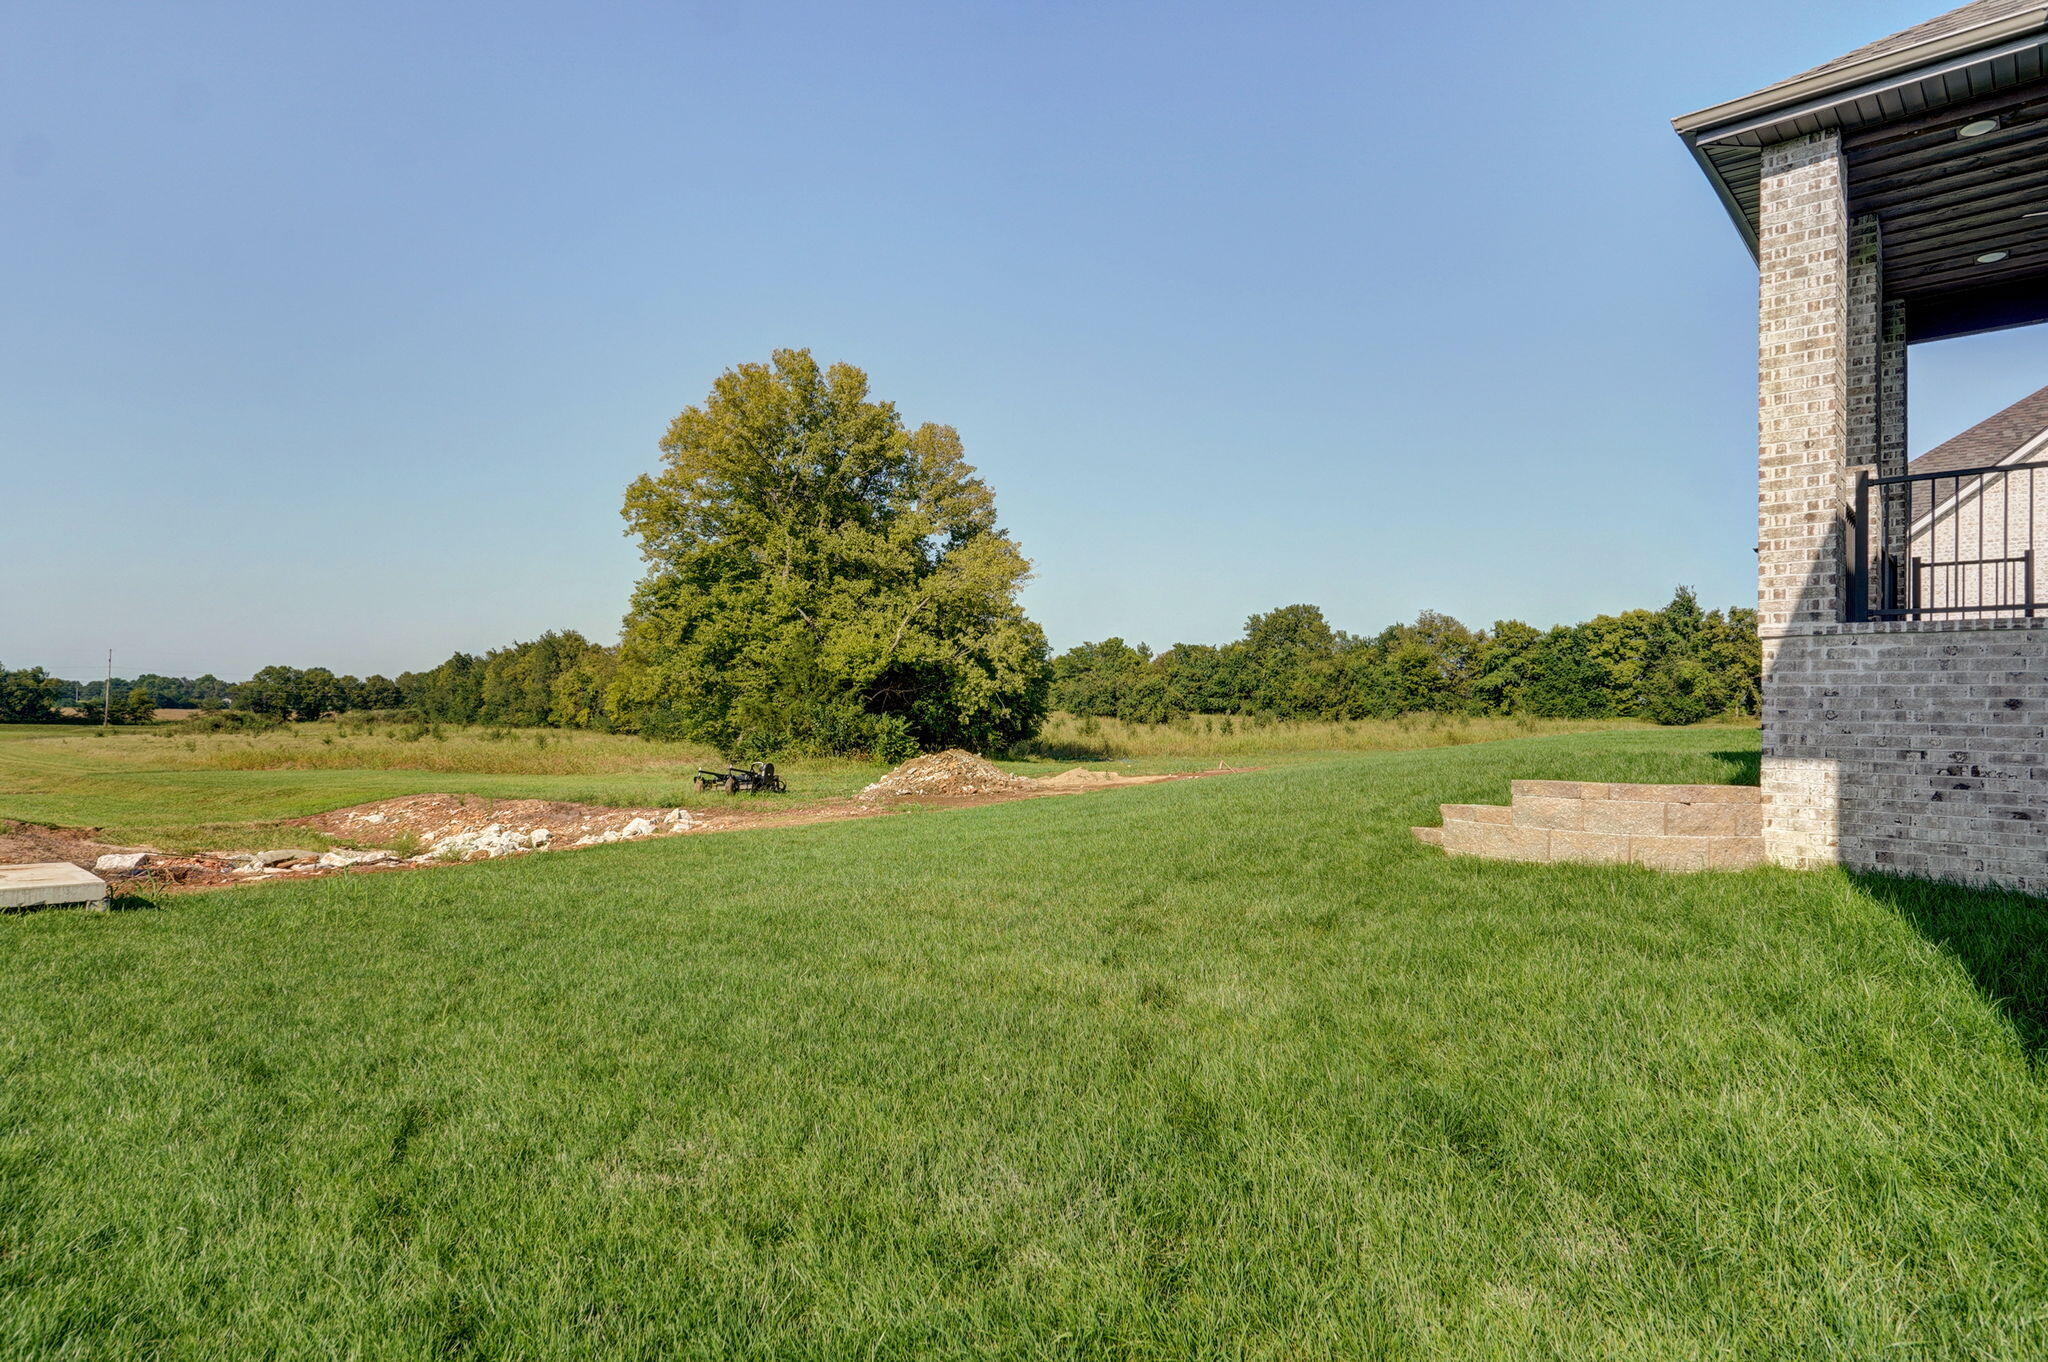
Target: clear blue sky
332 334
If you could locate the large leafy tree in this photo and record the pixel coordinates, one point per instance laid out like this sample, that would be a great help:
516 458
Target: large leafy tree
822 578
28 696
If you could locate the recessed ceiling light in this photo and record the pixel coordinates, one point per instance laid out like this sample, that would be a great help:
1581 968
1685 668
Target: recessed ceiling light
1992 257
1978 128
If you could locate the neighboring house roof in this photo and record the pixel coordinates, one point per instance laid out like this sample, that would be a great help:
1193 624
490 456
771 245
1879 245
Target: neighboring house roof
1991 441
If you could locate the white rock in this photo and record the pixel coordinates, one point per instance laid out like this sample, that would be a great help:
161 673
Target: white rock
680 818
639 827
539 837
270 858
124 860
349 858
492 841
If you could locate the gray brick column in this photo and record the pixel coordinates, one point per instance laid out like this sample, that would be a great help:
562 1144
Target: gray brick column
1866 300
1891 390
1807 332
1803 329
1891 418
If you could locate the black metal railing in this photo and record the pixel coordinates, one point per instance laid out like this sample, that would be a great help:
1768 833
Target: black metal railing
1959 544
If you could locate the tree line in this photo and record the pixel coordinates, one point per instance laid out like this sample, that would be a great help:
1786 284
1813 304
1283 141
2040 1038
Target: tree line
824 578
1677 665
31 695
549 681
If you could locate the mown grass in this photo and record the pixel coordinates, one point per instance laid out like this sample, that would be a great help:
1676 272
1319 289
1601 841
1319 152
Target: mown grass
181 791
1226 1068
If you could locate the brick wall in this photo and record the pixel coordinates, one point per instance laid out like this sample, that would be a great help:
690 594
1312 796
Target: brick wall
1918 748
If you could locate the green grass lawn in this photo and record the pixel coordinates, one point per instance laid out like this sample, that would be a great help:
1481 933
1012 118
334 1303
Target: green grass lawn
174 790
1226 1068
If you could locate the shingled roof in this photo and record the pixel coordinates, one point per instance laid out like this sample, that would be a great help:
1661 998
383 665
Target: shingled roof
1958 59
1991 441
1955 21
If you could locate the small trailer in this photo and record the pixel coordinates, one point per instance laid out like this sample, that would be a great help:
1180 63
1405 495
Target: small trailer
753 779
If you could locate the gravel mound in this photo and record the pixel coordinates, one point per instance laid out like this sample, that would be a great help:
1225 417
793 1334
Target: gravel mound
944 773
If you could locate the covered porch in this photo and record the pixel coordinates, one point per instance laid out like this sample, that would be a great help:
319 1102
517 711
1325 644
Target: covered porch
1895 195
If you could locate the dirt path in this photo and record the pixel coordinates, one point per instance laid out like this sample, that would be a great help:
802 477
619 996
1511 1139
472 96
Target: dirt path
440 829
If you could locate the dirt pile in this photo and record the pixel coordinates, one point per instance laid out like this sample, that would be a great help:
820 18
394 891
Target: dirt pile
1081 778
469 827
946 774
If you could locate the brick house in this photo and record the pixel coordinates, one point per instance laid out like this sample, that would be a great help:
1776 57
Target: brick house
1977 542
1897 194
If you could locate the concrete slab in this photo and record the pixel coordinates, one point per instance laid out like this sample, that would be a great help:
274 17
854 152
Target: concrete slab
49 884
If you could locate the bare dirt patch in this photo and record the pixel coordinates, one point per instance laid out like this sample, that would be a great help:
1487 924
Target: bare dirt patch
954 774
433 829
1081 778
28 843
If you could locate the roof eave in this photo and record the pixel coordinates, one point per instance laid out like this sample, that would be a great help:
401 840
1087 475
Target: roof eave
1878 67
1733 205
1751 116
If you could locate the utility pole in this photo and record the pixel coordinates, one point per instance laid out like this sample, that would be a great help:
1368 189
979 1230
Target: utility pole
107 695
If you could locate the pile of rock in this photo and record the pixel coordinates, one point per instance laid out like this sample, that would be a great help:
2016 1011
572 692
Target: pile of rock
287 860
944 774
456 832
487 843
497 840
675 820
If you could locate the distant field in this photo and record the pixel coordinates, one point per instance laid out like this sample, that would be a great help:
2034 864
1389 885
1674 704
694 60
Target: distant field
1220 1069
181 792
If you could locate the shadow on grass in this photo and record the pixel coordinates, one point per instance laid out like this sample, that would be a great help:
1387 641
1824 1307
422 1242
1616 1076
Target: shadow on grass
113 903
1998 937
1744 768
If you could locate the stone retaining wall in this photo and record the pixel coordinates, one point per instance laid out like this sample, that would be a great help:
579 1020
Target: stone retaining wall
1664 827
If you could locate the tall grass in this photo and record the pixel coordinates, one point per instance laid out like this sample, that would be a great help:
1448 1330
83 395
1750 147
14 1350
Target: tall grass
490 750
346 746
1067 737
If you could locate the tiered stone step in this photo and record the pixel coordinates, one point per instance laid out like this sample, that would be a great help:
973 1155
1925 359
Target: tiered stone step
1664 827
